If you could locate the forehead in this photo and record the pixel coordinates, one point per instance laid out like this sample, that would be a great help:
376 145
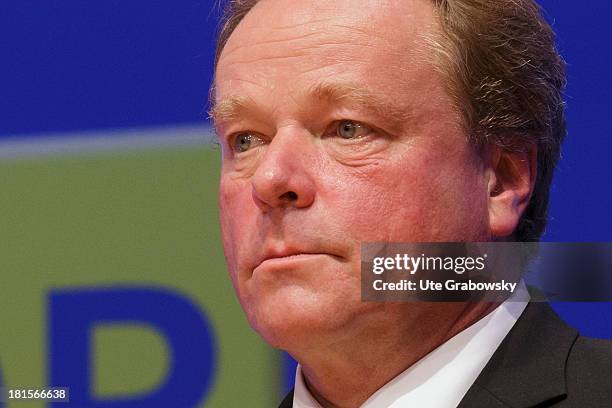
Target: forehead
284 46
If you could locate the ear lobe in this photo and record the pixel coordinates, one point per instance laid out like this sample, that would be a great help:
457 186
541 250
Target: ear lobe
511 182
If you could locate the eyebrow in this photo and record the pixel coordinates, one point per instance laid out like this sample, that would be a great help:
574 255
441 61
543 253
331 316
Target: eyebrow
231 107
353 95
350 95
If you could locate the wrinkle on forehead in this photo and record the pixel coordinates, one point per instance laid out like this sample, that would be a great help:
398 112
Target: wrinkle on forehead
293 23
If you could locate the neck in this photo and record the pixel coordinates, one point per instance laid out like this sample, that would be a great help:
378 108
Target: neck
346 372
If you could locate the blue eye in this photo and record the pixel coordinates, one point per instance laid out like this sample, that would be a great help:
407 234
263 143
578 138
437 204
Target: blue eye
348 129
245 141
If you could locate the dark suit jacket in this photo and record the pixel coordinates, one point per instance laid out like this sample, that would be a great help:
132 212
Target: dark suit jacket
542 362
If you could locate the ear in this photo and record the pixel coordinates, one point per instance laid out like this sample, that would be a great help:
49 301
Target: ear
511 181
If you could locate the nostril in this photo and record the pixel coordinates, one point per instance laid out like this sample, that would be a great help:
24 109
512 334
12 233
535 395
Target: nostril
289 196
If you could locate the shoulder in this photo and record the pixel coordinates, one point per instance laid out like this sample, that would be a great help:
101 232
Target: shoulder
544 362
590 354
589 371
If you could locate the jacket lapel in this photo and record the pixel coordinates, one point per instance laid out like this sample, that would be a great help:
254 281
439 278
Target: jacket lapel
528 368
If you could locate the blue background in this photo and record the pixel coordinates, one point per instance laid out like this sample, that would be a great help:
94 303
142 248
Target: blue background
81 65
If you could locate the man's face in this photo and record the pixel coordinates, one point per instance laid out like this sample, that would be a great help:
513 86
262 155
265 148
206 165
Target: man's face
335 130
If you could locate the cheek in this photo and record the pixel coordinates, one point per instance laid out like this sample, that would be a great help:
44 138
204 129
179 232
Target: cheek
419 199
235 201
235 215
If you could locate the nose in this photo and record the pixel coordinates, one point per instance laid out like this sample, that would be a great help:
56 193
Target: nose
283 178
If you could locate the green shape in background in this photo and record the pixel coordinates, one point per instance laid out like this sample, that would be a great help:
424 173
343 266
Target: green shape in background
142 217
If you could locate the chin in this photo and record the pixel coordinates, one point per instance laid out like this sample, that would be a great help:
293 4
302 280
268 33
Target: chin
291 321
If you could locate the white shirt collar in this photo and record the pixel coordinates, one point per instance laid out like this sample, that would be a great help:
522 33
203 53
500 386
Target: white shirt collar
442 377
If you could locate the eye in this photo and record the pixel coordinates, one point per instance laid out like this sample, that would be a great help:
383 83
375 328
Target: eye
245 141
348 129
